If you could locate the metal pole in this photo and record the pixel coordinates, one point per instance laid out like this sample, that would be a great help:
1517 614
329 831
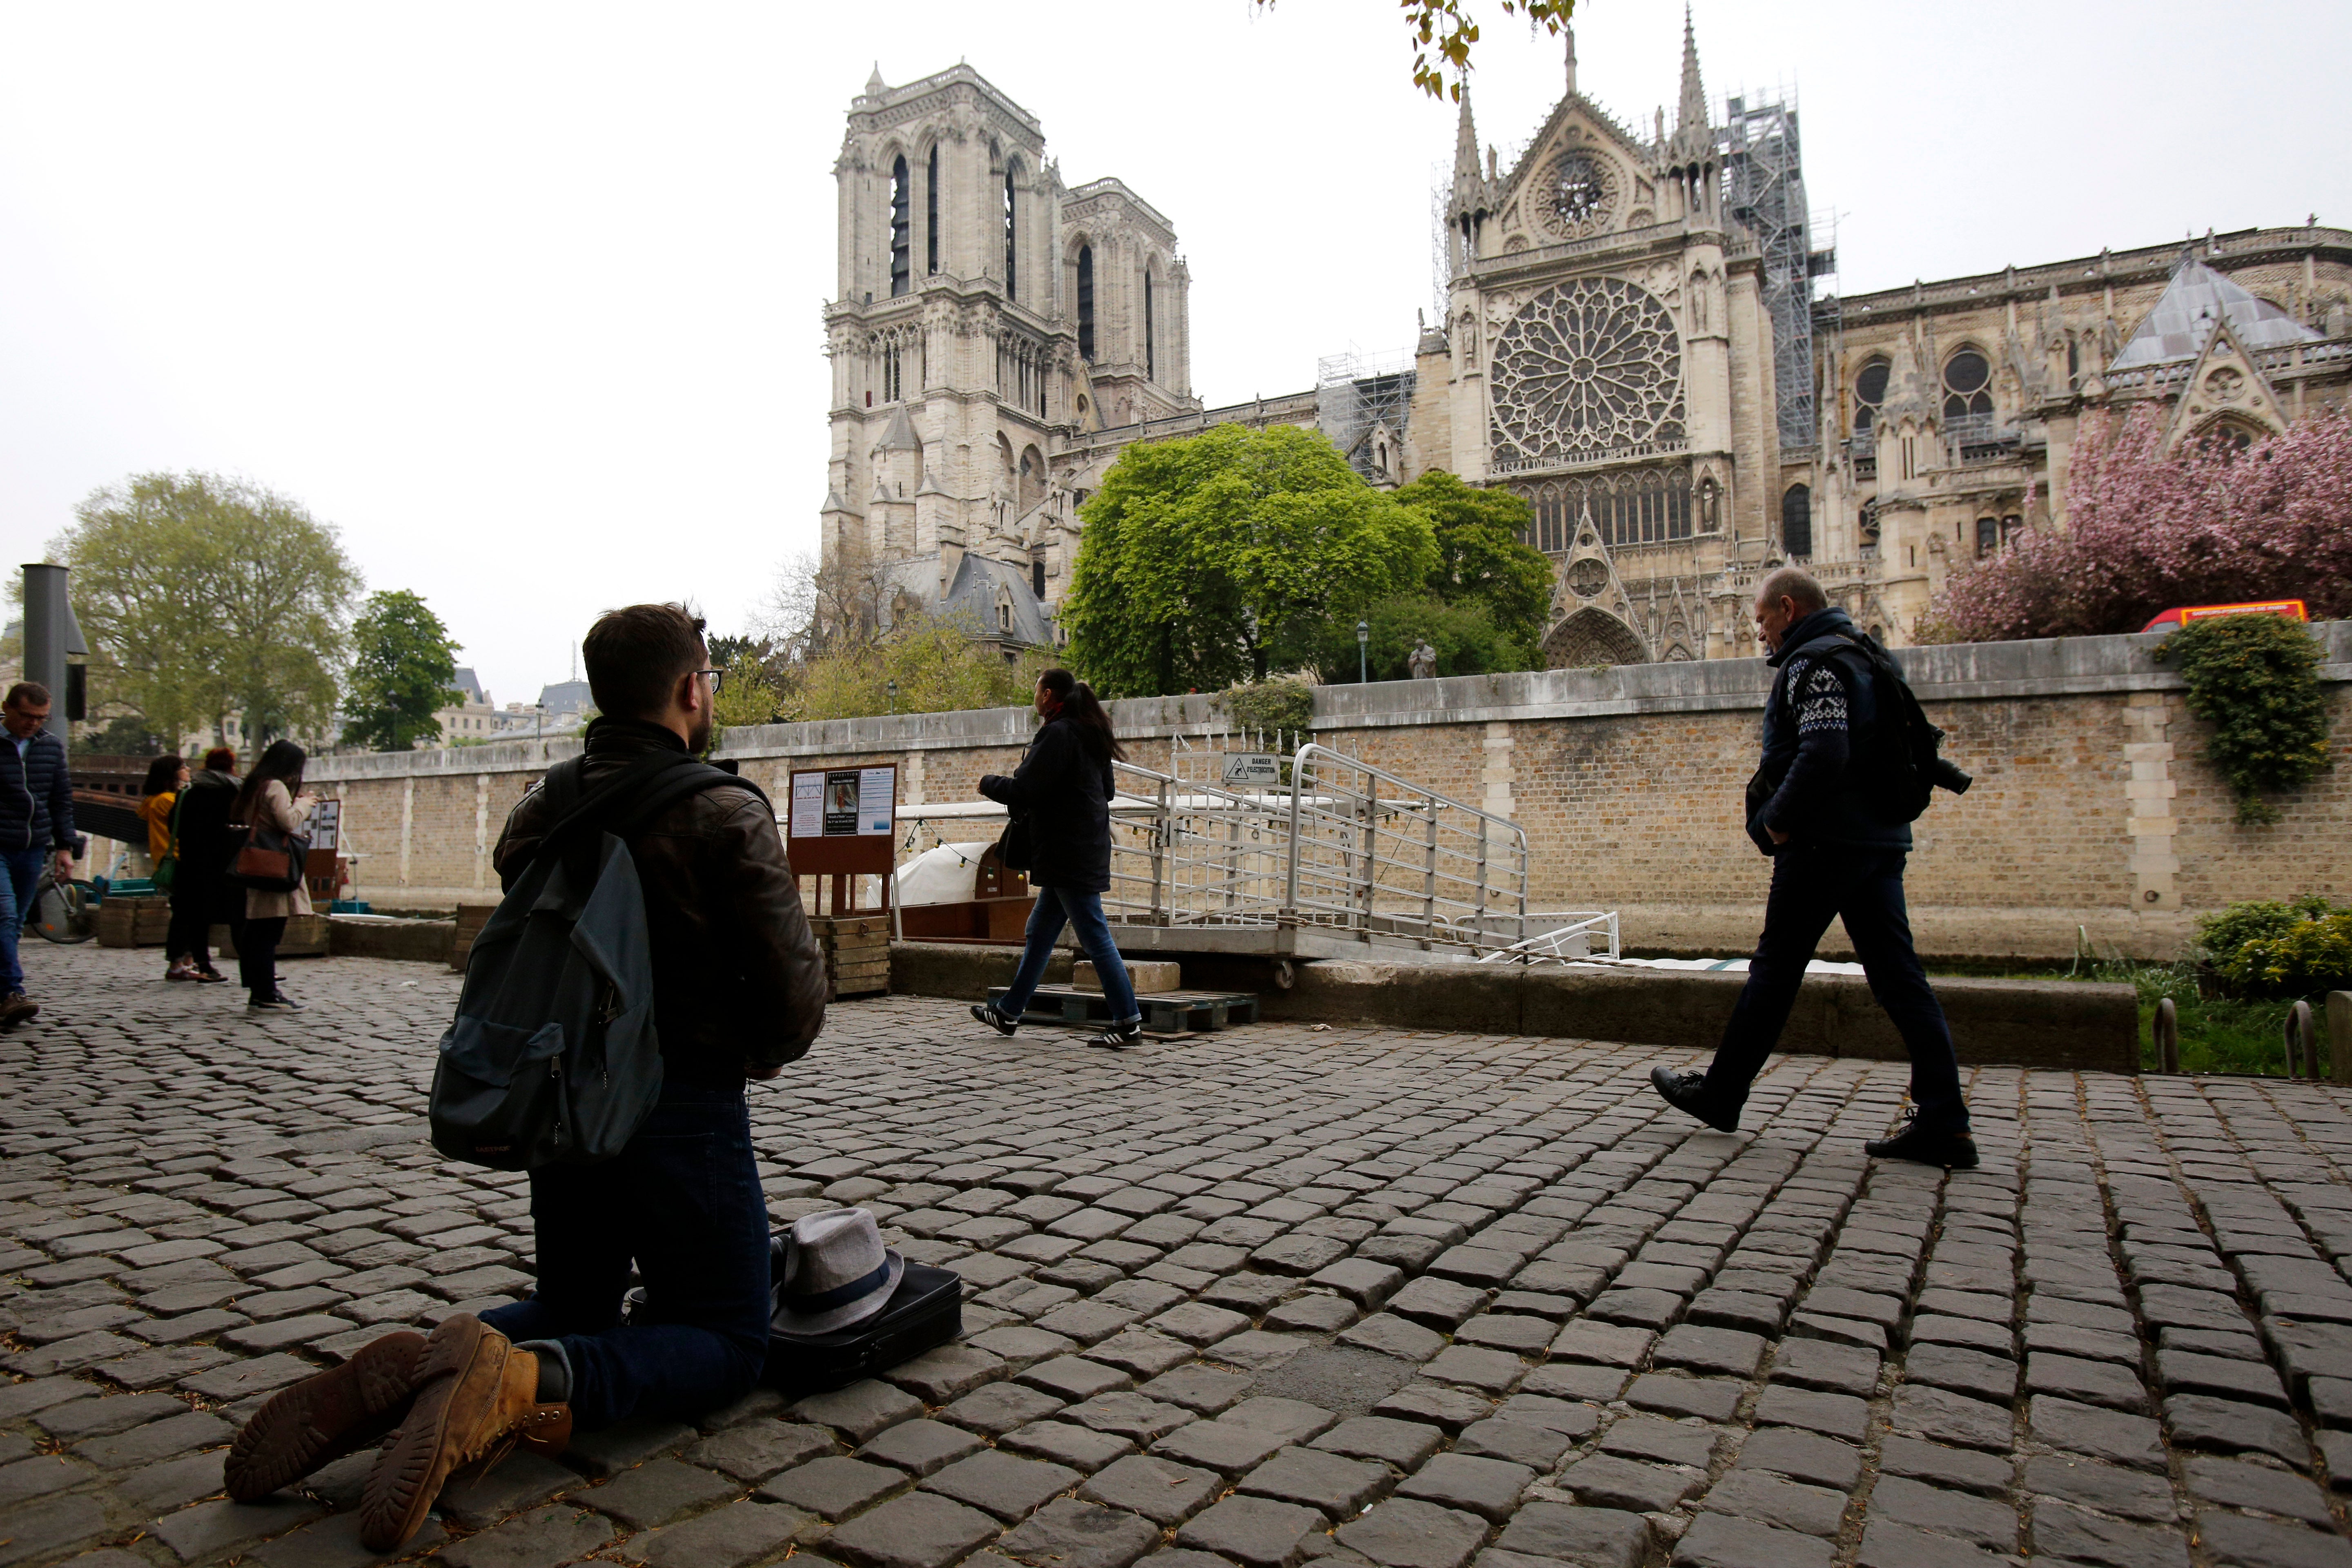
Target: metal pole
49 636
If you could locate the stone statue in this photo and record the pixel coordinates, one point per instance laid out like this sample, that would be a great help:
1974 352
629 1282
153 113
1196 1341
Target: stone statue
1423 661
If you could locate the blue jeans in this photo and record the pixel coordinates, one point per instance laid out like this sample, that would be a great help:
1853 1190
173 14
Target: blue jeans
684 1201
1083 910
1812 884
23 874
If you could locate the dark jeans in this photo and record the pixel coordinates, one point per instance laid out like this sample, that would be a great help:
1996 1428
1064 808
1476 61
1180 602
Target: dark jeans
190 935
1055 907
257 955
22 869
684 1201
1863 887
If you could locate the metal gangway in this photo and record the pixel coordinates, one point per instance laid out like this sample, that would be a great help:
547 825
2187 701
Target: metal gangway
1334 857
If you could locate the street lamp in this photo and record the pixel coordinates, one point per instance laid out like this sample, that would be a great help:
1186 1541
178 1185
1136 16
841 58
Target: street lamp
894 695
1364 640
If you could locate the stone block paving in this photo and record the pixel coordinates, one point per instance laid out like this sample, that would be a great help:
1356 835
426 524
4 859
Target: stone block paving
1273 1295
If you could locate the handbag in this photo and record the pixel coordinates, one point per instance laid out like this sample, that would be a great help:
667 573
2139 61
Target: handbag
1013 846
268 861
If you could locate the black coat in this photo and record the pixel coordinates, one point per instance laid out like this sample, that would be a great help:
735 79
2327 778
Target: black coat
1066 794
206 843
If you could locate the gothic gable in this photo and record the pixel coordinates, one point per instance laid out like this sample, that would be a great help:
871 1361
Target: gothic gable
1582 175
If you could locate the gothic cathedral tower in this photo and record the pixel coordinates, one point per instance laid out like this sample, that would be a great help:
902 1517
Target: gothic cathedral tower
985 317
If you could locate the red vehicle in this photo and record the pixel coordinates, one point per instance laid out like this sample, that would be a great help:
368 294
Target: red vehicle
2181 615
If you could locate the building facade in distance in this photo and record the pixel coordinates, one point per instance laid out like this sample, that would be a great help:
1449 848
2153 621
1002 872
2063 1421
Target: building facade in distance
1632 340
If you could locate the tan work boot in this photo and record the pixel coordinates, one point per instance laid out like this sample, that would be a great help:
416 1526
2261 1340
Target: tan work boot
323 1417
476 1396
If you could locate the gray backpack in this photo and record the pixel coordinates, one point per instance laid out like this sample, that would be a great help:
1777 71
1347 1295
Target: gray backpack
553 1058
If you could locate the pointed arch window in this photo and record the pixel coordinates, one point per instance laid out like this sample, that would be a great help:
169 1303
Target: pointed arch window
901 216
1086 303
1150 361
1869 392
1012 236
1796 521
931 212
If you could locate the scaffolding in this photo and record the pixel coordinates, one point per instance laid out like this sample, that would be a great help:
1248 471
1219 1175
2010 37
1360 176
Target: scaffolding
1357 395
1764 180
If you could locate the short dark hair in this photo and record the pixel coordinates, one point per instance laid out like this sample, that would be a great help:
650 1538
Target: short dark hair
222 759
27 694
1796 586
634 654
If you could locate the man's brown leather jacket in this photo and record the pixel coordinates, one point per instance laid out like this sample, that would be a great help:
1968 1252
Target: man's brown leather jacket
738 982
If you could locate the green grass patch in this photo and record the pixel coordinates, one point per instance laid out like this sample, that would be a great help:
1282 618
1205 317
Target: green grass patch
2217 1034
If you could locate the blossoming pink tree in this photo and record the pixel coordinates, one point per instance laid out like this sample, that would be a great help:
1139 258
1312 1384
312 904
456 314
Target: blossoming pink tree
2146 529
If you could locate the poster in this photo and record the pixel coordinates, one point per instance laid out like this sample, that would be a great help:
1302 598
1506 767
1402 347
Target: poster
808 806
326 823
876 800
845 802
841 813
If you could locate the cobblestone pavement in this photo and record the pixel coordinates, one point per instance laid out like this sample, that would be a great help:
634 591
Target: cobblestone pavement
1279 1293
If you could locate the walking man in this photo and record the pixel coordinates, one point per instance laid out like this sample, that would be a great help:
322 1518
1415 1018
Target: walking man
37 826
739 992
1836 852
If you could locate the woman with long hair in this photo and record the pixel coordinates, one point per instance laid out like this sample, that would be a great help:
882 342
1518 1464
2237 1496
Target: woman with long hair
272 797
158 798
1063 789
201 896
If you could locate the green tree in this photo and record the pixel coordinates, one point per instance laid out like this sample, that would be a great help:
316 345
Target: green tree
934 663
1213 559
1464 633
1479 556
403 668
204 596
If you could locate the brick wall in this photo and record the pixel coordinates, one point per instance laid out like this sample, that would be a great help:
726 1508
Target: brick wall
2093 811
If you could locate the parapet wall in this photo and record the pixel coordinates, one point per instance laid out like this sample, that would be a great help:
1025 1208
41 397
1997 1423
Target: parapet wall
2093 810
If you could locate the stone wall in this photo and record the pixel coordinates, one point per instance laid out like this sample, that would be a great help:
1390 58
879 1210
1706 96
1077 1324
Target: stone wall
2093 810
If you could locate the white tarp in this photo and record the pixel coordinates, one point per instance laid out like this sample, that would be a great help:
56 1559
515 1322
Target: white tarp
941 876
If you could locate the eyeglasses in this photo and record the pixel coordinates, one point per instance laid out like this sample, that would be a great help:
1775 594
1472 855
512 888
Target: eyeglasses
718 678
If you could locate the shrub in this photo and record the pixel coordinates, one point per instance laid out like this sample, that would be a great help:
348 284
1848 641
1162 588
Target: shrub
2256 679
2279 948
1282 704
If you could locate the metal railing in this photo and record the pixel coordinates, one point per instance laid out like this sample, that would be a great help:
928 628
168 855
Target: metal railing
1341 850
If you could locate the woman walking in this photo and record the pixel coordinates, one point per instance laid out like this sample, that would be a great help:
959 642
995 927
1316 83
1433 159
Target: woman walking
1062 788
200 894
272 798
158 806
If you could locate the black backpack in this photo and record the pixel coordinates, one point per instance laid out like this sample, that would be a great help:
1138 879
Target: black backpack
552 1057
1899 765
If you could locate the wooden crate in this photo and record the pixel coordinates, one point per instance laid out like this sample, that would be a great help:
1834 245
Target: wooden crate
306 937
856 953
133 920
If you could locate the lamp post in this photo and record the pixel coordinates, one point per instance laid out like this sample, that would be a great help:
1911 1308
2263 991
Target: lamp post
894 695
1363 641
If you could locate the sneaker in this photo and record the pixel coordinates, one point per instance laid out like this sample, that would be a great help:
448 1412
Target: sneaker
16 1008
210 977
181 969
274 1004
987 1013
476 1398
1925 1146
1686 1091
324 1417
1118 1037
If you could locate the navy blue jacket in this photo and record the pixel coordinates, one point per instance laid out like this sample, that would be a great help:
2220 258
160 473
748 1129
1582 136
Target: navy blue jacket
1065 794
1822 708
35 794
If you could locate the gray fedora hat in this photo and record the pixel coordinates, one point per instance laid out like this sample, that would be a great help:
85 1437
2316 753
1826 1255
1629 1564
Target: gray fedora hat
834 1273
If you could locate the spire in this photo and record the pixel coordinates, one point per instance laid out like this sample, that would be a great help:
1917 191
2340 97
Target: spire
1692 115
1571 32
875 86
1465 147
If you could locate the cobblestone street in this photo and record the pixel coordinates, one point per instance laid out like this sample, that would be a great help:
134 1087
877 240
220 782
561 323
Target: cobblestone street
1269 1295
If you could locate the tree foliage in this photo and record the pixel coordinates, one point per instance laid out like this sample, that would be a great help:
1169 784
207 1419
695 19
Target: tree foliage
204 596
1464 632
403 669
1215 559
2146 529
2256 679
1443 33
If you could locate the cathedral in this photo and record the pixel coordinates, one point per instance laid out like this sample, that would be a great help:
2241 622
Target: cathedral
1632 340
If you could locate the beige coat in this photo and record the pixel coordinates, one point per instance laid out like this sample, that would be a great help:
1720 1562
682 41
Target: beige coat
276 809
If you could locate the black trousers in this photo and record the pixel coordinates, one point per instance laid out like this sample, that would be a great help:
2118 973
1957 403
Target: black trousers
1811 885
190 935
257 955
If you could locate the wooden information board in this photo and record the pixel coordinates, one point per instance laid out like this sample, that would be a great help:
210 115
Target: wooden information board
842 824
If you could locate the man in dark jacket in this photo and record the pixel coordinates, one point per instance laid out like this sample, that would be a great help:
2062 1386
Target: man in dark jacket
738 993
1835 854
200 888
35 825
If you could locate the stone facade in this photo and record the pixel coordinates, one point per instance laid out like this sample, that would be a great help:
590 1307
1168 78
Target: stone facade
2093 811
1630 341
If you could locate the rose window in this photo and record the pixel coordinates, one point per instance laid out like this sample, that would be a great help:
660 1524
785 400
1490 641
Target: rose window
1586 370
1576 195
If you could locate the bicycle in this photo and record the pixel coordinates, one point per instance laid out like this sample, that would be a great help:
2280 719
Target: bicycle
63 910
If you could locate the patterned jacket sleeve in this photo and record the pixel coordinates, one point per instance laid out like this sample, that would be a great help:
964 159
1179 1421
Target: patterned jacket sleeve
1819 702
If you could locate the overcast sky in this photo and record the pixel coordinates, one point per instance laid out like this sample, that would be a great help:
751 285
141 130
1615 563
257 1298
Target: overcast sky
525 299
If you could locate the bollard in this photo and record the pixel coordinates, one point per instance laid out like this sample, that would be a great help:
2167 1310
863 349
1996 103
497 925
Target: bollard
2302 1041
2167 1036
2339 1037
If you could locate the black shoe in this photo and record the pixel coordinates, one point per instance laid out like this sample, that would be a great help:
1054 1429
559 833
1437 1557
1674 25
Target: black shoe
1118 1037
1953 1150
987 1013
1686 1091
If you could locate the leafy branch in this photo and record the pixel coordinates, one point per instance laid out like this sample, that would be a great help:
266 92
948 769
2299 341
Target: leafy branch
1442 32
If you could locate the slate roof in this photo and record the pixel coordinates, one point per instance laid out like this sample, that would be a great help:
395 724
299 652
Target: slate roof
2183 319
